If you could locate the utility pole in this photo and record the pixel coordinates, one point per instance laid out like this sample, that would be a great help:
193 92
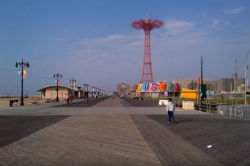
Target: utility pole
201 70
246 78
192 84
201 79
235 74
57 76
22 65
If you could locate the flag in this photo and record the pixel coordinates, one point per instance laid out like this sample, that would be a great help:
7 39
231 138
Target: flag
20 73
24 73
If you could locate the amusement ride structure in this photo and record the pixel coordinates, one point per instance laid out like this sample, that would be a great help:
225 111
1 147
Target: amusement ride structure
147 25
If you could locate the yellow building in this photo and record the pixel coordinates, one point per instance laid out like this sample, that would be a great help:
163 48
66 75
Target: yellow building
189 94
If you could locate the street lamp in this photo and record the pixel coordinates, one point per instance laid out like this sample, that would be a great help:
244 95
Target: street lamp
57 76
22 65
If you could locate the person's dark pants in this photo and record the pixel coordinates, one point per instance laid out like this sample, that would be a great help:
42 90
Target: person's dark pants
170 116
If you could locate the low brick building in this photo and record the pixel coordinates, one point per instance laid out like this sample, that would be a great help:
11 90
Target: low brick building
50 92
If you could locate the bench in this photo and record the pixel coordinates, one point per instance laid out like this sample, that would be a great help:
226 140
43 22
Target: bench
12 101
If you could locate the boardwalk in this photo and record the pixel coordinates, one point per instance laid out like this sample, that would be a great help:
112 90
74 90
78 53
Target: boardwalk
116 132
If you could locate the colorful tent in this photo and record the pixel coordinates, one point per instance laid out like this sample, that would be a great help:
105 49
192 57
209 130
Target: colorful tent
176 87
170 87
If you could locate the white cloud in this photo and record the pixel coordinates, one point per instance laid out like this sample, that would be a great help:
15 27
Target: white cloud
178 26
103 40
215 23
234 10
119 57
176 50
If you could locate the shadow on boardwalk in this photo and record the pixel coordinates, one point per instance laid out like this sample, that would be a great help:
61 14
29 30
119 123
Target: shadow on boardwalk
229 138
13 128
83 103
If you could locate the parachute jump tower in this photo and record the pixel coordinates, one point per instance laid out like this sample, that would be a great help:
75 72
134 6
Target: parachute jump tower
147 25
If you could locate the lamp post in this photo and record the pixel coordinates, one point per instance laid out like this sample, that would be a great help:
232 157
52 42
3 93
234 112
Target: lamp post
201 83
57 76
22 65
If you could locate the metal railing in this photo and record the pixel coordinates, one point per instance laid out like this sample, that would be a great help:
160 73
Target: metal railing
241 112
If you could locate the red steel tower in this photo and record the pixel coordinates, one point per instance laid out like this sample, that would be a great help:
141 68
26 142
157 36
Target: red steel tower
147 25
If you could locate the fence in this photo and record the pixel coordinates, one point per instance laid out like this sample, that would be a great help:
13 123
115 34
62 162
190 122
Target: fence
206 107
241 112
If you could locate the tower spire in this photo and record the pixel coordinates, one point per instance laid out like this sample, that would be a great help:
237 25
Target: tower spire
147 25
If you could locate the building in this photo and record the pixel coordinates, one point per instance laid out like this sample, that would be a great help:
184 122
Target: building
225 84
123 88
211 84
77 92
50 92
184 83
187 83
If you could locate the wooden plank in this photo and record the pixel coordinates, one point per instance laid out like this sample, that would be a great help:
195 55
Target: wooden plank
82 140
169 148
230 138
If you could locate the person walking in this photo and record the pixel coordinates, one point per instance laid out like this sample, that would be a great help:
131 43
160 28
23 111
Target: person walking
68 100
71 98
170 107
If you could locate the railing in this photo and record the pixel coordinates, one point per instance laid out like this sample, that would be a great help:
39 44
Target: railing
241 112
206 107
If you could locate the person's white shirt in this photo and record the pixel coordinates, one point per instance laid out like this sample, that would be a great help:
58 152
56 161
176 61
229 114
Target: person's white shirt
170 106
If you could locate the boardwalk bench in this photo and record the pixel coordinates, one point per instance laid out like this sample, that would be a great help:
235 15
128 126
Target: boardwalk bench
12 101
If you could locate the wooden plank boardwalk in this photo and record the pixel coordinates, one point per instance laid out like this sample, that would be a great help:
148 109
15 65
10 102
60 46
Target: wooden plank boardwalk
111 102
170 149
230 138
13 128
139 103
113 132
83 103
82 140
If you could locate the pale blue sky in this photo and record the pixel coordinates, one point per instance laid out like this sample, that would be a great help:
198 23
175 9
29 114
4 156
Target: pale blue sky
93 42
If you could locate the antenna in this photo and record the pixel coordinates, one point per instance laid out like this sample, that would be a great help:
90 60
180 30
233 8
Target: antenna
246 78
235 74
247 68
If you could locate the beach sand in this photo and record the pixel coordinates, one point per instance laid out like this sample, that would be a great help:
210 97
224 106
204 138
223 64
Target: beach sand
5 101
